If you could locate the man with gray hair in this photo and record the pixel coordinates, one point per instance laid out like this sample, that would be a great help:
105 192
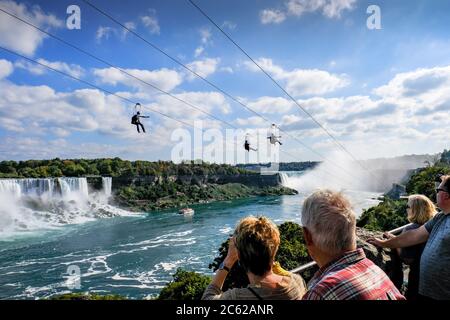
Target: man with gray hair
329 227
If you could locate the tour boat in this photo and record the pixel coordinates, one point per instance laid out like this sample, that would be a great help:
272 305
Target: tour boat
186 211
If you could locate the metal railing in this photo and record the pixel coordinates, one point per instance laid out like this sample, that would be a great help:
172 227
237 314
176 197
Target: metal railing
311 264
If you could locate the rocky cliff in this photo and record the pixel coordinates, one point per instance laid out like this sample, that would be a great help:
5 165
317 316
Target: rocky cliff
250 180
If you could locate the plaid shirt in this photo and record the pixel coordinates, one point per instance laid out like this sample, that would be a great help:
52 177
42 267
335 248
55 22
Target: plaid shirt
351 277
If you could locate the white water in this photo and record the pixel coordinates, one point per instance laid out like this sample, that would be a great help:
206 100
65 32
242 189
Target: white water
107 186
307 182
39 204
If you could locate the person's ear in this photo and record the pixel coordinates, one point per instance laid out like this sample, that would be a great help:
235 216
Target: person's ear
308 237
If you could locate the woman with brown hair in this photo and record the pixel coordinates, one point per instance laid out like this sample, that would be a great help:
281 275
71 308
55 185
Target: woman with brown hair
255 245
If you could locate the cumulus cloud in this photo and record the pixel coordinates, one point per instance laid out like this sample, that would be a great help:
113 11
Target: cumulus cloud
20 37
267 16
198 51
397 120
418 83
36 69
164 79
150 21
251 121
229 25
204 68
332 9
271 105
207 101
104 33
107 32
205 34
205 40
299 82
6 68
19 148
329 8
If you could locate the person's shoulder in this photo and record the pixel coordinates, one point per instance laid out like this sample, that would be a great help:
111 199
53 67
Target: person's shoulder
298 281
412 226
438 217
240 294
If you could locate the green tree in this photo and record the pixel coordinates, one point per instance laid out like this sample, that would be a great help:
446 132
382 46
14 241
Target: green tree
73 170
105 167
423 181
186 285
54 171
387 215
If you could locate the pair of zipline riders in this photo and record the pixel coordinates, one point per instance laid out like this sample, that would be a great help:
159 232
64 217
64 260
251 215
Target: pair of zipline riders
273 139
135 120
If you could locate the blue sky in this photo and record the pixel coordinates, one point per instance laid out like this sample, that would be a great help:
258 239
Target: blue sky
382 93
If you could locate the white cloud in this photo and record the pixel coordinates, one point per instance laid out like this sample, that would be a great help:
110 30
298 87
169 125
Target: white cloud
13 125
205 39
41 113
16 35
229 25
204 67
421 83
41 110
271 105
6 68
20 148
227 69
151 22
267 16
164 79
104 32
206 101
251 121
129 25
299 82
329 8
397 121
205 34
198 51
72 69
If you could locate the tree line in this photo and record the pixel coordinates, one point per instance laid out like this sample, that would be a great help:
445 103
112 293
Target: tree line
115 167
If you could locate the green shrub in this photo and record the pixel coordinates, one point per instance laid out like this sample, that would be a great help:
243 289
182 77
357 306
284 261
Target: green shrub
387 215
87 296
422 182
186 285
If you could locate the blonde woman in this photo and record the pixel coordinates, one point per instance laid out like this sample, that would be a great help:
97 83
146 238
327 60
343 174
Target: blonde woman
420 210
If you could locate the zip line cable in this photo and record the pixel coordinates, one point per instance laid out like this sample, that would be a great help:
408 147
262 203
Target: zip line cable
279 86
209 82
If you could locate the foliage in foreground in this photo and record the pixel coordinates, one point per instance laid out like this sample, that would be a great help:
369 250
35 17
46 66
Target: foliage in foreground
186 285
87 296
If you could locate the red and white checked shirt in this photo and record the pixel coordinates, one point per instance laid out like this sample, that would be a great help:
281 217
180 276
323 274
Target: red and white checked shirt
352 277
